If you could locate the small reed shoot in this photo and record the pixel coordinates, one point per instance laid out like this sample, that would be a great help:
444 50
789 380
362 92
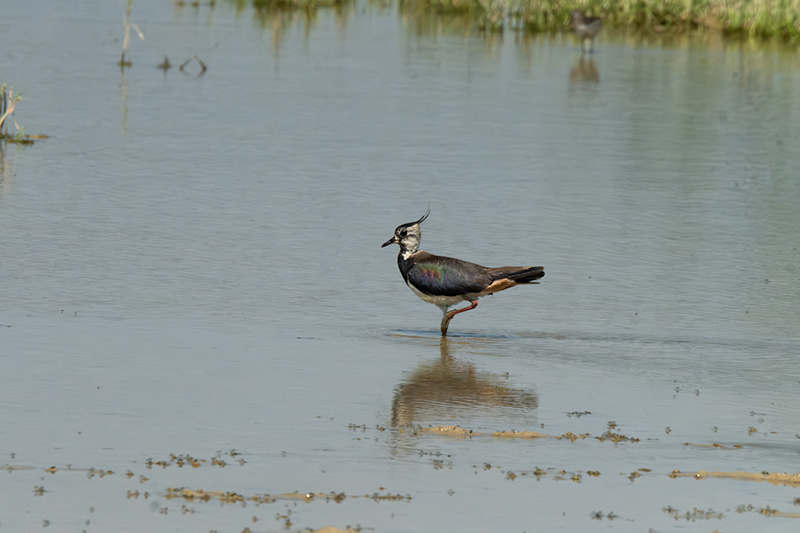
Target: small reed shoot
125 60
8 102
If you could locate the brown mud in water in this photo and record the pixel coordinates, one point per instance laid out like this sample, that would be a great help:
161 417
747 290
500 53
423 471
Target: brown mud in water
792 480
459 432
232 497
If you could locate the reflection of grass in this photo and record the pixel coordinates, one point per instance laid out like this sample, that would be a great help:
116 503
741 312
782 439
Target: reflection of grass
282 14
265 5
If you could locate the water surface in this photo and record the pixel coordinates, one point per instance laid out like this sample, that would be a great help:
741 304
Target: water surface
191 270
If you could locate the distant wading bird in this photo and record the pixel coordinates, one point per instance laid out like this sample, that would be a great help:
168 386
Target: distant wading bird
445 281
585 28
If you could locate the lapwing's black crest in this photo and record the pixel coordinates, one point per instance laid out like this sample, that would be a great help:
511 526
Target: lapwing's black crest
446 281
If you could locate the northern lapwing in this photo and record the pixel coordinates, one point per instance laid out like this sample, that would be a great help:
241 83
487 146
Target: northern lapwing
445 281
585 28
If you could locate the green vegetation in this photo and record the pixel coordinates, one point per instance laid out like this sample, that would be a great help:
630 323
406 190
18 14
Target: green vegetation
762 19
755 18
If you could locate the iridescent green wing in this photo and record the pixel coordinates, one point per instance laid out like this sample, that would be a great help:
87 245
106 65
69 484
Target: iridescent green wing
445 276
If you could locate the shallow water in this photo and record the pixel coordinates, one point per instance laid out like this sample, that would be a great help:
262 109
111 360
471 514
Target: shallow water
191 265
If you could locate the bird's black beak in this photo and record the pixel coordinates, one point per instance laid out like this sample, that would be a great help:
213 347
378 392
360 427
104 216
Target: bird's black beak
393 240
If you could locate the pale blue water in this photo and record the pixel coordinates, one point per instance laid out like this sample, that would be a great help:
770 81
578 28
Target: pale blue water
192 265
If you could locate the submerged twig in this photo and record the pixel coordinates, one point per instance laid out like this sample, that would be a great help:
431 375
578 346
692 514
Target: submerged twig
199 62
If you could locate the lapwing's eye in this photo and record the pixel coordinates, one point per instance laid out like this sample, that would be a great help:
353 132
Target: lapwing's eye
403 233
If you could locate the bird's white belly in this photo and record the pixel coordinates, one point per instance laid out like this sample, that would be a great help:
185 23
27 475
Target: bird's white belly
438 300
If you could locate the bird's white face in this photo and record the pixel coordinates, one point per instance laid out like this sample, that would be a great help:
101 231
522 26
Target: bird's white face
408 237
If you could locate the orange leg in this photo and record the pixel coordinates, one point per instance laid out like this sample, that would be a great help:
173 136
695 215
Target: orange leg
449 316
472 305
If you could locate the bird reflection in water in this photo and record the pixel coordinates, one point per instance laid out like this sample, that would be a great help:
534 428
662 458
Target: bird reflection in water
584 71
451 391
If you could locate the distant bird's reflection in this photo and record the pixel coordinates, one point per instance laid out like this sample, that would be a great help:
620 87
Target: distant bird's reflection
584 71
449 391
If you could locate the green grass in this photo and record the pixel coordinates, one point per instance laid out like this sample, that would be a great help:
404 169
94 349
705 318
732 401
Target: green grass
754 18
